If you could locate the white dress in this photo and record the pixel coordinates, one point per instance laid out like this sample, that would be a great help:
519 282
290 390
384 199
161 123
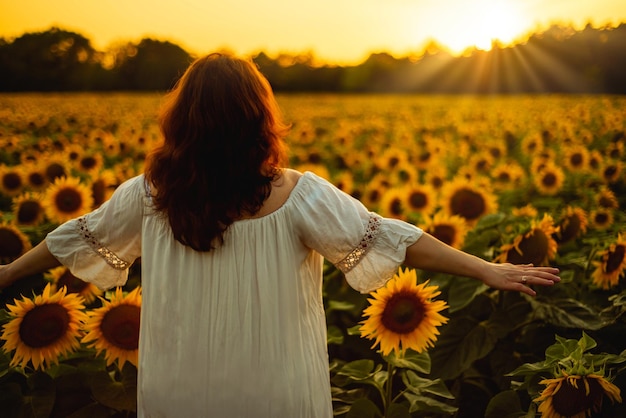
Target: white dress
239 331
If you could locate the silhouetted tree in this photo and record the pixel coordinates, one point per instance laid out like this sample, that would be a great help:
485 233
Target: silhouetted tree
150 65
48 61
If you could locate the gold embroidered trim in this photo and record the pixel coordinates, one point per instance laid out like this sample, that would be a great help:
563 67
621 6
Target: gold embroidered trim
367 242
109 256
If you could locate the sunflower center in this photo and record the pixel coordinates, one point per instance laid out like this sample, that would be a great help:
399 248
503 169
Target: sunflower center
571 400
403 312
11 245
73 283
88 163
615 259
601 218
396 207
468 204
44 324
576 160
68 200
610 171
418 200
98 192
504 177
120 326
569 228
445 233
28 211
533 249
54 171
549 179
36 179
12 181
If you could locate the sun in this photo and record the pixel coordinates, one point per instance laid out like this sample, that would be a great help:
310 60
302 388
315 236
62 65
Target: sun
479 23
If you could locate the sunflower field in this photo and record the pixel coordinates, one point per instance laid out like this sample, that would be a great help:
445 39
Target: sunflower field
520 179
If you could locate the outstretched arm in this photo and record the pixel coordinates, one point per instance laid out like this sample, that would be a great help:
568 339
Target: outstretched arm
430 254
37 260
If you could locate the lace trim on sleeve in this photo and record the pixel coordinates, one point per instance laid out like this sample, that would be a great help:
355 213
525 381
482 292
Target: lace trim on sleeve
109 256
367 242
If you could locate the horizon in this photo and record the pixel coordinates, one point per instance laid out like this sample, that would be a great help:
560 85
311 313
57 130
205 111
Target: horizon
343 33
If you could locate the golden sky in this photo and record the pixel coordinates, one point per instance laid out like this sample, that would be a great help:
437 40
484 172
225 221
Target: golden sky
336 31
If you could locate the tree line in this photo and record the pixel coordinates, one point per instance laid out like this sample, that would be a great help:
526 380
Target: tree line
557 60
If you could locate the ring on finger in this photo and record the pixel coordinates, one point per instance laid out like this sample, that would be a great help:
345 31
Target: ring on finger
524 280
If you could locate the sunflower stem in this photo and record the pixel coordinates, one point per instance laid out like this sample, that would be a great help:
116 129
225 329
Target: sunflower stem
389 387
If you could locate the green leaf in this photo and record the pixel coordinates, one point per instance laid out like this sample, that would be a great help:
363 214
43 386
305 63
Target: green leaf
336 305
505 405
91 411
364 408
420 385
120 395
423 404
11 399
397 411
462 292
568 313
420 362
43 394
355 330
358 369
334 335
462 342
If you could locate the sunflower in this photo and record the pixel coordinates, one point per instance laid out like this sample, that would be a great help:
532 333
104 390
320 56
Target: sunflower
596 160
611 268
374 191
467 200
344 181
421 198
436 176
575 396
318 169
450 229
506 176
102 187
537 246
11 180
572 225
403 173
576 158
34 176
13 243
402 315
54 167
606 199
66 199
89 163
391 158
114 328
481 163
532 144
63 277
392 203
549 179
27 209
612 171
43 328
601 218
527 211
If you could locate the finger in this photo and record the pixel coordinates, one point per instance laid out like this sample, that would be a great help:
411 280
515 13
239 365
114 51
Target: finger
524 289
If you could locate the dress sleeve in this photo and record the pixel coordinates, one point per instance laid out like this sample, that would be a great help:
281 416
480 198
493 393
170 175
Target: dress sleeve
366 247
100 246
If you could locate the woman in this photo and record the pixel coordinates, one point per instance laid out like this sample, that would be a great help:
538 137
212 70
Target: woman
232 247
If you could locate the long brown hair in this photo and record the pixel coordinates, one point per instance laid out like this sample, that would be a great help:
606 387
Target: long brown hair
223 145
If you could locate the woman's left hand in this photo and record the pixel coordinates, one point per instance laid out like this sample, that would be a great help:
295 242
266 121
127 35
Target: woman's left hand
519 277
